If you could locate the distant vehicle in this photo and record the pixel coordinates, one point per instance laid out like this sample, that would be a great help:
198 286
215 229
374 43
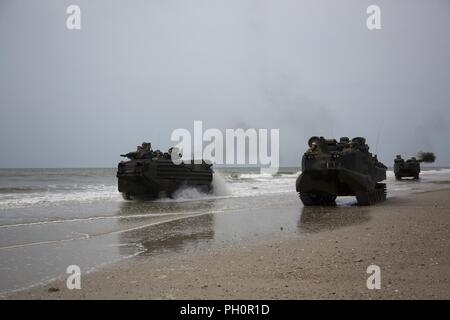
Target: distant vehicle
344 168
150 174
411 167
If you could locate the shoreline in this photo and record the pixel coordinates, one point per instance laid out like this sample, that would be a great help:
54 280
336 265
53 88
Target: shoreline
407 237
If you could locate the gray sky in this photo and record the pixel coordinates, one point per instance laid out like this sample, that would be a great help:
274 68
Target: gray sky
139 69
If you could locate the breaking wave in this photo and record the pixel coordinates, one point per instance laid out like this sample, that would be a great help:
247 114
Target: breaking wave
17 198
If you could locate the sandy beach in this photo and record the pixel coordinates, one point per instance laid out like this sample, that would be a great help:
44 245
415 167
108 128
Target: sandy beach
327 258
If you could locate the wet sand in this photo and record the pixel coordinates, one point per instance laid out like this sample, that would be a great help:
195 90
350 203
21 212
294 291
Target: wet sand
326 258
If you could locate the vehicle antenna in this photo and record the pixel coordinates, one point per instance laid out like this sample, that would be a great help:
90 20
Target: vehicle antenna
380 128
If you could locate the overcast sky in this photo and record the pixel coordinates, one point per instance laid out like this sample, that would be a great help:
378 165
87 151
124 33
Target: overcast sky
139 69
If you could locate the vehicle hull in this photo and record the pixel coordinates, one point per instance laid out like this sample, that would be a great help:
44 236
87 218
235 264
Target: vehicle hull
154 178
407 170
338 182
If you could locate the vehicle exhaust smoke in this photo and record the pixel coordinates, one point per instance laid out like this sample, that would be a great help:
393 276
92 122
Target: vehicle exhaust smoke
426 156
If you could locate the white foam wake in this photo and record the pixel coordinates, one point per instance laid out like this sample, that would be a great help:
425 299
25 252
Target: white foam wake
90 193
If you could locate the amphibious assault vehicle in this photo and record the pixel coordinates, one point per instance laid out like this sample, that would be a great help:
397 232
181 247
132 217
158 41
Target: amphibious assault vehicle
411 167
408 168
344 168
150 174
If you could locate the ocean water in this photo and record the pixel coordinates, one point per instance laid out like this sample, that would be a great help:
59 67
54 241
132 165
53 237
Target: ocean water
53 218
